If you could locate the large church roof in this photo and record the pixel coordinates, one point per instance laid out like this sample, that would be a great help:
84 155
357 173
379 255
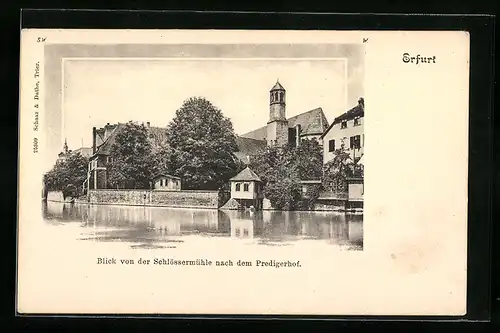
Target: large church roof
248 147
311 122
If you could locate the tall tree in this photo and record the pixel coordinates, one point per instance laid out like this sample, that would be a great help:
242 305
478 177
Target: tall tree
282 168
161 158
309 158
70 172
338 170
131 157
203 143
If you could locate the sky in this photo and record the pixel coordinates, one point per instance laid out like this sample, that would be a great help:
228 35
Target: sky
97 92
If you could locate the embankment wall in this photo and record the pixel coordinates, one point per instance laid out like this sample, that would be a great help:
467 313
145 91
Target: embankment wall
186 199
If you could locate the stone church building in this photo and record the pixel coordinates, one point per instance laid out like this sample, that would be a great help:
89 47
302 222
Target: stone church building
281 130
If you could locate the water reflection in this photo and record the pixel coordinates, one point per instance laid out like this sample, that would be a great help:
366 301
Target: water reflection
155 227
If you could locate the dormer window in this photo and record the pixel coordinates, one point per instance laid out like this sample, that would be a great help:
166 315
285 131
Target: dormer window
343 124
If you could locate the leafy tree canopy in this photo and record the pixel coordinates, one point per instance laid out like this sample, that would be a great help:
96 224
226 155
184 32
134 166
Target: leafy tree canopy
338 170
282 168
69 173
202 143
131 157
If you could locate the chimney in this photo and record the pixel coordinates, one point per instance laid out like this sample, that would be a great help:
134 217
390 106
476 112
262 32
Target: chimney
361 102
93 140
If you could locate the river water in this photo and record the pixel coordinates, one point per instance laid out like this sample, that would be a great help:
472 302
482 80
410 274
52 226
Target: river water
158 227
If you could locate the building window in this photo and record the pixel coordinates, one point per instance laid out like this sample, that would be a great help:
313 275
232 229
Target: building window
355 142
245 232
357 121
245 187
343 124
237 232
238 186
331 145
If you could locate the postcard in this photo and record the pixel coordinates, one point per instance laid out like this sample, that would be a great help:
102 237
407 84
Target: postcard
236 172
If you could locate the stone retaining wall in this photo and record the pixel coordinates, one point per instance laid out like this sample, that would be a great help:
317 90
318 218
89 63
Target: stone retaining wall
186 199
208 199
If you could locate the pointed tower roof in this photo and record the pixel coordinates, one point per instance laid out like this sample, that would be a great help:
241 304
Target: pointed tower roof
277 86
246 175
65 147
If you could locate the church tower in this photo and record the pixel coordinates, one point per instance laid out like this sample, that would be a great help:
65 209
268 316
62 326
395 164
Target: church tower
277 126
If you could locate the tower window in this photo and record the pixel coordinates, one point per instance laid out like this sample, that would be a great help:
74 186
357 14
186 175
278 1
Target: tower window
331 145
245 187
276 96
238 187
282 96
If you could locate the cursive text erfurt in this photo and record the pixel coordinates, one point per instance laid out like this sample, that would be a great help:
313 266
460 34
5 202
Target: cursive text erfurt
418 59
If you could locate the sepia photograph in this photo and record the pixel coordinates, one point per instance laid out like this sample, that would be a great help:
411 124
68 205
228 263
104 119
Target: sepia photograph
240 148
230 166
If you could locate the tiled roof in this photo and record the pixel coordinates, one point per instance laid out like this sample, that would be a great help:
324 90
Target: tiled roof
249 146
258 134
357 111
311 122
156 133
246 175
105 148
